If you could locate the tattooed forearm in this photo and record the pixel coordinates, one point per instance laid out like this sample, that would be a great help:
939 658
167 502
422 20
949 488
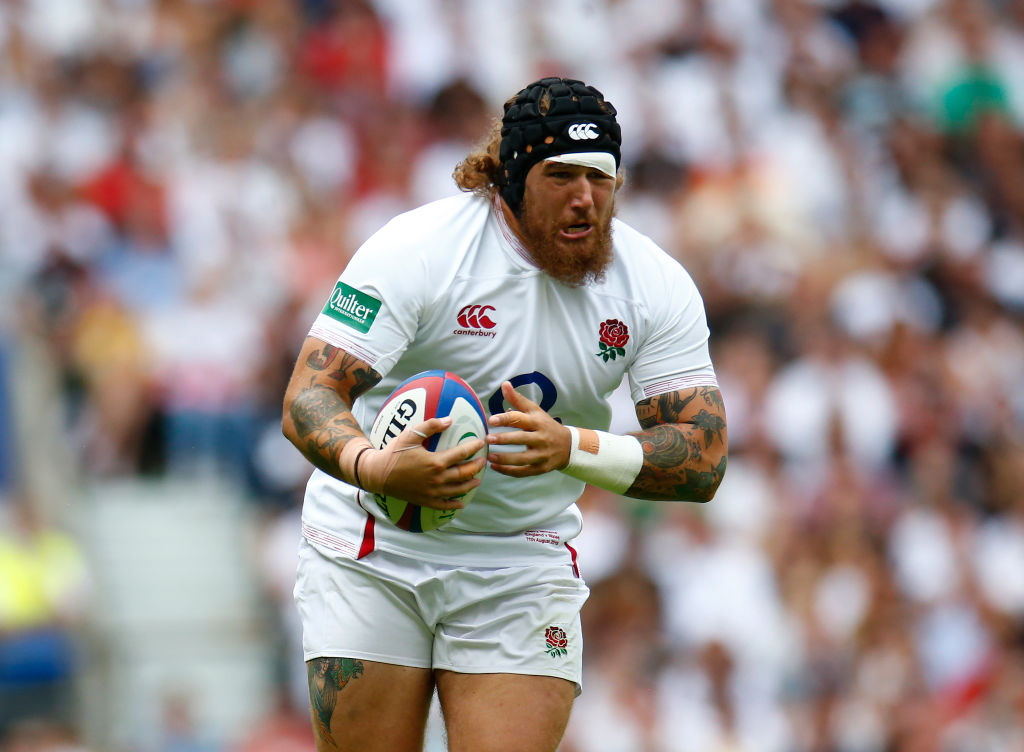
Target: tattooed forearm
327 677
324 424
666 447
347 369
685 445
314 407
324 448
318 403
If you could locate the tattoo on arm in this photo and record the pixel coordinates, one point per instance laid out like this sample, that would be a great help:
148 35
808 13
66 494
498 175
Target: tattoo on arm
665 408
327 677
318 361
324 424
684 457
321 410
314 407
351 371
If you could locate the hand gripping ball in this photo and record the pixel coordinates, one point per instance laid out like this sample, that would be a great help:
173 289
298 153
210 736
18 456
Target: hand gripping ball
430 394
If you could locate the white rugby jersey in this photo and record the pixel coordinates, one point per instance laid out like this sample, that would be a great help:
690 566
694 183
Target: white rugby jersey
448 286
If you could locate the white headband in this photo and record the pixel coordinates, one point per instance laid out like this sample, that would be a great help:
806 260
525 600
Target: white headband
599 160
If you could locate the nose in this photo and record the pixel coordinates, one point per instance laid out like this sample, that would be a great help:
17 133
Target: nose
582 193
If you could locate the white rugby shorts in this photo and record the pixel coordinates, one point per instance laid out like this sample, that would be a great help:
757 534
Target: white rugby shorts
474 620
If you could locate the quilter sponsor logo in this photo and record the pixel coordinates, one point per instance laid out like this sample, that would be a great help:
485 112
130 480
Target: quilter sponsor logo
476 321
352 307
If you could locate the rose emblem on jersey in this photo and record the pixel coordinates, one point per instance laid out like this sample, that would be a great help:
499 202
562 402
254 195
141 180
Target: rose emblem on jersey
557 641
614 336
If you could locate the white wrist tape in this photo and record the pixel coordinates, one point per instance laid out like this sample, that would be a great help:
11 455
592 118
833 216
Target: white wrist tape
605 460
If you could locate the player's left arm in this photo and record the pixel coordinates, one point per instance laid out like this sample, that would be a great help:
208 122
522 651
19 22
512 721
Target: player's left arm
685 445
679 454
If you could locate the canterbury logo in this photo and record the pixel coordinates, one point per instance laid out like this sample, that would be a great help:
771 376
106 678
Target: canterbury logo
583 131
475 317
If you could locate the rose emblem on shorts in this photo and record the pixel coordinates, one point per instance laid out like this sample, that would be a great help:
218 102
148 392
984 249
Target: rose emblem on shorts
614 336
557 641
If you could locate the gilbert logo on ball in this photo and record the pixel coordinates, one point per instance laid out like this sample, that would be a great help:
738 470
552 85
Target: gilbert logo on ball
430 394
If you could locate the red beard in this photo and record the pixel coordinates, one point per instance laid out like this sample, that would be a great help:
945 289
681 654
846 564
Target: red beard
572 262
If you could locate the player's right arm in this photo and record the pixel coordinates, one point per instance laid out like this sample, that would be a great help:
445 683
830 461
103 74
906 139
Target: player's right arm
317 418
318 403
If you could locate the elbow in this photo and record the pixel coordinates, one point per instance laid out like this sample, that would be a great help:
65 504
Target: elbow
706 484
287 423
705 495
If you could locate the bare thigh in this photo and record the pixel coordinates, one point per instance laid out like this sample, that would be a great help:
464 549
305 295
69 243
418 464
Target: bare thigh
504 712
365 706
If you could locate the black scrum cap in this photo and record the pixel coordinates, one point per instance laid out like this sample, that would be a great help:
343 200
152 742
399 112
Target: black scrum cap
576 119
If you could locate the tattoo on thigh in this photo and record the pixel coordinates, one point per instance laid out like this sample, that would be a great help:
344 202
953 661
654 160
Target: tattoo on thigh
327 677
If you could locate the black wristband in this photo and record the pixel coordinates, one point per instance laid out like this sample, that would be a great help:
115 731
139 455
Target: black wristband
355 468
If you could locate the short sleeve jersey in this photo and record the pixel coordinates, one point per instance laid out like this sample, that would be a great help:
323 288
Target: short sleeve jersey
448 286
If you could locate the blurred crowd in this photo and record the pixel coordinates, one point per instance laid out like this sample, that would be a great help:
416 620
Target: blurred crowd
181 182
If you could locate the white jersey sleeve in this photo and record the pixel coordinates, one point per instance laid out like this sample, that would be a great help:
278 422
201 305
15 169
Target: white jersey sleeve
674 351
375 307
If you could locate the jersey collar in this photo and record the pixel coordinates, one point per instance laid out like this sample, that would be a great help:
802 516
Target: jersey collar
511 238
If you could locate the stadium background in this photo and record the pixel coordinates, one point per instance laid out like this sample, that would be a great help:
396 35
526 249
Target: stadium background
181 181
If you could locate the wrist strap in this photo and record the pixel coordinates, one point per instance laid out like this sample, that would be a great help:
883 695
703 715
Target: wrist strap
355 467
604 459
350 454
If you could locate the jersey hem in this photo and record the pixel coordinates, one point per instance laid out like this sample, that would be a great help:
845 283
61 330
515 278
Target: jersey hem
513 550
351 346
683 382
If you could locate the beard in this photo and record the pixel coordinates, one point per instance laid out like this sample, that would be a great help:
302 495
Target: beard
572 262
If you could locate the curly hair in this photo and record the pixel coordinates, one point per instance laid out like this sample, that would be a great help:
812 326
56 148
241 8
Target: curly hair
478 172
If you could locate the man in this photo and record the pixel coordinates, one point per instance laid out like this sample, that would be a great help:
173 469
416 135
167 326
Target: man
528 289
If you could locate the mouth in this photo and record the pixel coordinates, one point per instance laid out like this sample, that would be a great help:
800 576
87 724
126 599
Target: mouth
577 231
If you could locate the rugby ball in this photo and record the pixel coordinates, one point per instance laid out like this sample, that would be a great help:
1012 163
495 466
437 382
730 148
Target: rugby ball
431 394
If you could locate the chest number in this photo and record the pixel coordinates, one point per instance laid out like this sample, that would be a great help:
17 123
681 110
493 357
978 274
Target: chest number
548 392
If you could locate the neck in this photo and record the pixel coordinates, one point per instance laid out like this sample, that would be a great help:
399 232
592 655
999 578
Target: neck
511 220
511 229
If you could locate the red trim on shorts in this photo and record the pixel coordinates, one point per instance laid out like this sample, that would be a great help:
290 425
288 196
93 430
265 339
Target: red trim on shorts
572 552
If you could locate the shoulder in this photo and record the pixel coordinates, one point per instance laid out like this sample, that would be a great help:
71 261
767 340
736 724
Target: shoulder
645 264
450 215
422 248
